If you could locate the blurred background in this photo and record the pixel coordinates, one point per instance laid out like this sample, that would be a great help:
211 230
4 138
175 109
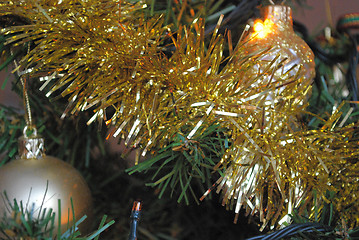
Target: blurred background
322 13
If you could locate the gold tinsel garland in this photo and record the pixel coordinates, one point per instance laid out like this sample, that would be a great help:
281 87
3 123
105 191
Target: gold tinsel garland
106 56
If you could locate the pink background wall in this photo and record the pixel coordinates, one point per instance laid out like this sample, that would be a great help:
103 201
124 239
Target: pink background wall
322 13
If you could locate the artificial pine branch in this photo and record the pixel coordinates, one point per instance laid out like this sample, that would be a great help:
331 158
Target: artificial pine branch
184 161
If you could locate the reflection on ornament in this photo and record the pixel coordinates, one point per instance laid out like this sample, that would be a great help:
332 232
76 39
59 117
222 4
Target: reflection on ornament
39 181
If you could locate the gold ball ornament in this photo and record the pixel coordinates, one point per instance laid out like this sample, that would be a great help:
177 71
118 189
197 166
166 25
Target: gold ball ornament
39 181
275 34
279 78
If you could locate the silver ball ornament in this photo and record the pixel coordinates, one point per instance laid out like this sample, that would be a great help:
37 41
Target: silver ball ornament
39 181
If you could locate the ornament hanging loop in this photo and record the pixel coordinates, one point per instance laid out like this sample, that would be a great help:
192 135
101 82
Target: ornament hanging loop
31 146
29 131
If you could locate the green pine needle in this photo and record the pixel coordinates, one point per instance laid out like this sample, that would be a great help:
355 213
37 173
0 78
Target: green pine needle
22 224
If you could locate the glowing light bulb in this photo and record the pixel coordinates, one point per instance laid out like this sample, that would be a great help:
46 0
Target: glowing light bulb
258 26
262 29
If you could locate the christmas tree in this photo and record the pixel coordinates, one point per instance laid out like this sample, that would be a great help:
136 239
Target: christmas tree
201 113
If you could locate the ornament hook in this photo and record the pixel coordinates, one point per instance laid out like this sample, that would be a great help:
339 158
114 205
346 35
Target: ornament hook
26 100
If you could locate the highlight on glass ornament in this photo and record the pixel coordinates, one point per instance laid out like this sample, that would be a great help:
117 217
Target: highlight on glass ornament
38 181
262 29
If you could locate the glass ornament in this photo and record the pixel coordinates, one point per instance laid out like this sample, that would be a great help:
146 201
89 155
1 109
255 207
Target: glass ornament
38 181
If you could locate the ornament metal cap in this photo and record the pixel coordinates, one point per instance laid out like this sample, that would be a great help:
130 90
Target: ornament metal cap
31 147
278 13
